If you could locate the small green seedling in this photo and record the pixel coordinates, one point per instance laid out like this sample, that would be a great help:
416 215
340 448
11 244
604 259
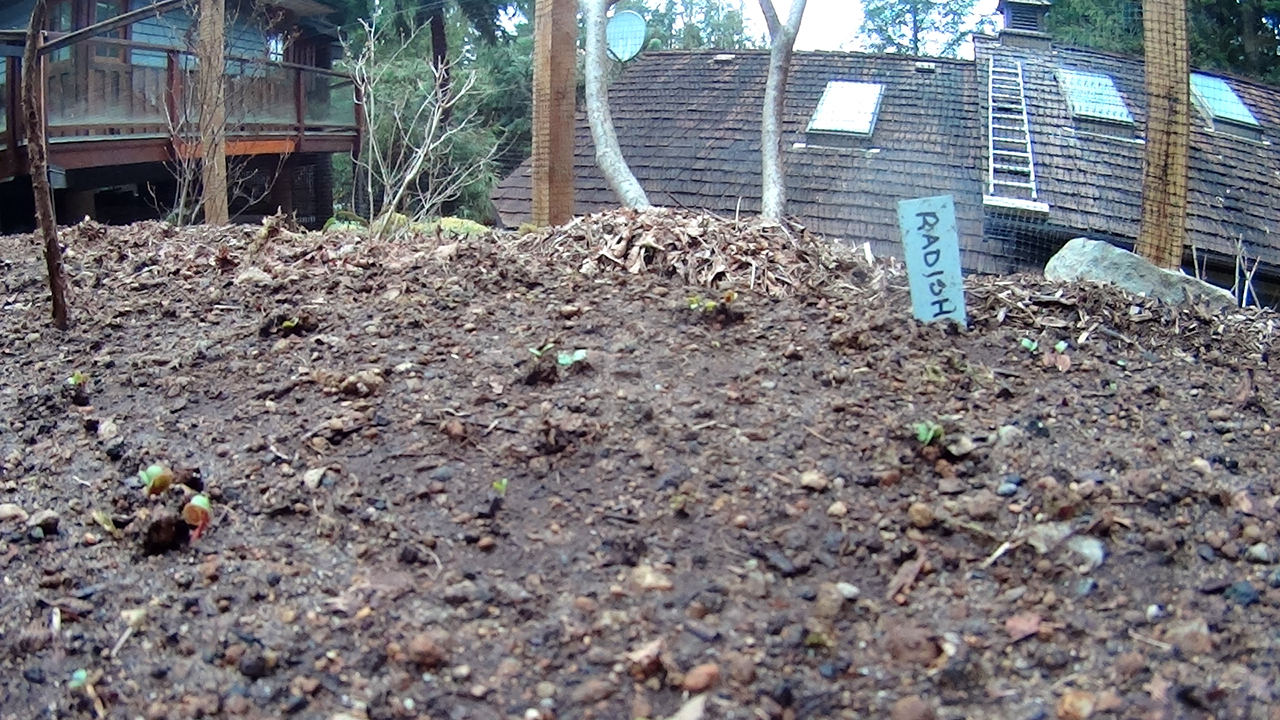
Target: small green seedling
701 304
500 487
289 324
565 359
707 305
197 513
77 379
79 679
156 479
927 432
1029 345
539 352
1061 347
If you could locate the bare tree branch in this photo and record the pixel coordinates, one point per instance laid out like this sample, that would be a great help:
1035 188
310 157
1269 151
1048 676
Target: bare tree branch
413 121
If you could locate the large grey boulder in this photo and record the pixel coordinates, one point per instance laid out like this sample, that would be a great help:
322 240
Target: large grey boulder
1084 259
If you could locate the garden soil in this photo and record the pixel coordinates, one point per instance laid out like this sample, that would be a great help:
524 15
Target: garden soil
646 465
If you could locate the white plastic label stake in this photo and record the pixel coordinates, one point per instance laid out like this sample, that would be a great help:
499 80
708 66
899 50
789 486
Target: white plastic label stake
931 246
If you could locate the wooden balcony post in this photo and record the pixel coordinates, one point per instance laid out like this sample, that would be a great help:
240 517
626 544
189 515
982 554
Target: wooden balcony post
211 82
172 88
299 101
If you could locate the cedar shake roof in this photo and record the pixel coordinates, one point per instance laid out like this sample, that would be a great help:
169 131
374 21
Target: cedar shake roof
689 127
1092 181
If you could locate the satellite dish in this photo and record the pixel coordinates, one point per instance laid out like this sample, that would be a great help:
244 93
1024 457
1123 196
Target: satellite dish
625 35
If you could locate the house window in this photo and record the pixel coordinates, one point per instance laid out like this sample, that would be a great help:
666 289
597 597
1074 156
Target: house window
1223 107
275 47
1093 96
847 108
104 10
61 21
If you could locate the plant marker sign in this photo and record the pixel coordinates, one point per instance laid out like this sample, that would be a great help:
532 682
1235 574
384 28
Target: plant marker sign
931 246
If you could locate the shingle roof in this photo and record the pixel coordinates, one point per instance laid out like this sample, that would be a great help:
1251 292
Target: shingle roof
689 127
1093 182
688 123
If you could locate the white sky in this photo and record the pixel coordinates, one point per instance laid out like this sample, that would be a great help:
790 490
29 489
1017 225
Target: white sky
828 24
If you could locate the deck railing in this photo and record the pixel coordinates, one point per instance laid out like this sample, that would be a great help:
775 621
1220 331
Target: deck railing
114 87
106 88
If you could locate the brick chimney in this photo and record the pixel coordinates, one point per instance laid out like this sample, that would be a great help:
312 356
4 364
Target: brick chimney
1024 22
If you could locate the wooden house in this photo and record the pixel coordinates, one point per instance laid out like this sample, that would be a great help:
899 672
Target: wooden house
121 109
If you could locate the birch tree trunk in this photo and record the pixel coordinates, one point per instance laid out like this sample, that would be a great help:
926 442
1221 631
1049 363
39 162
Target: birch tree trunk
38 162
608 153
782 39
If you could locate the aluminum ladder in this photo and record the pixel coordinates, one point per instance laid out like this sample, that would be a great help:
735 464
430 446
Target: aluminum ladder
1010 165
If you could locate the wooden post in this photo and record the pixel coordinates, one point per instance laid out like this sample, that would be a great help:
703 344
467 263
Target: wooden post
1163 233
554 59
211 74
38 162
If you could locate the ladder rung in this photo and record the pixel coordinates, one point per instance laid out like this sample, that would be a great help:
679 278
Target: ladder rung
1014 169
1018 153
1011 183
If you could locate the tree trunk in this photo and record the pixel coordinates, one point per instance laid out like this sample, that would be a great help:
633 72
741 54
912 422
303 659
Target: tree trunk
38 162
211 73
1163 232
608 153
440 59
773 189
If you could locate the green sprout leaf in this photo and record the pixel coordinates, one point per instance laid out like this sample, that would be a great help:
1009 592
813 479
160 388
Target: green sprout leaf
927 432
289 324
79 679
539 352
77 379
156 479
565 359
1029 345
1061 347
500 487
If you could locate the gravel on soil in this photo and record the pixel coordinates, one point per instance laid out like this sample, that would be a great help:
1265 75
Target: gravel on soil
647 465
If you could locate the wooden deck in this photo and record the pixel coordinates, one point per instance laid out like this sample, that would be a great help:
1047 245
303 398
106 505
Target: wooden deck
110 102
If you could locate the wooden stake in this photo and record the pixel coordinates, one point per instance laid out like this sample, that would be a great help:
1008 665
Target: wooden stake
554 97
1163 232
38 162
211 73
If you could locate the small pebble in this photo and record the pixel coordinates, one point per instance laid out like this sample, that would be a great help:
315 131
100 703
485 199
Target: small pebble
1242 593
1007 489
848 590
702 677
1273 579
921 515
1259 553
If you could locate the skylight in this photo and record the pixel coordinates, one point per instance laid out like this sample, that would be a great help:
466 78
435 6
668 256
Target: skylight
1216 98
847 107
1094 96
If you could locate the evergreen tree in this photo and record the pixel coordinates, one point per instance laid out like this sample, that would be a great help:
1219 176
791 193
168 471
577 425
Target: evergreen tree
1237 36
915 27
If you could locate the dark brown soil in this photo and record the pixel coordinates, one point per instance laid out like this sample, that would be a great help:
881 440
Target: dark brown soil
421 510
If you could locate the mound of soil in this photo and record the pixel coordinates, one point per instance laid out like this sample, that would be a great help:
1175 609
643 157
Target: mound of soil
643 466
